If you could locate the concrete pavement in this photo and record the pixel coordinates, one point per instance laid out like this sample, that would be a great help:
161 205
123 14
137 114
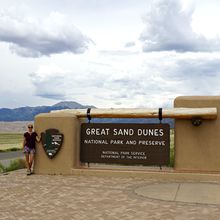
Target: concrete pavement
203 193
90 197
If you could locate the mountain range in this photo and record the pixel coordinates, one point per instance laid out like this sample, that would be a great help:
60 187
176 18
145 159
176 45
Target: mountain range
28 113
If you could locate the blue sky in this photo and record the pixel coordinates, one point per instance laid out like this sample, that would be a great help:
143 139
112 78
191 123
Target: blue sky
124 53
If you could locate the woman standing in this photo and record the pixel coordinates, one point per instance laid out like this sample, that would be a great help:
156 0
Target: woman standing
30 137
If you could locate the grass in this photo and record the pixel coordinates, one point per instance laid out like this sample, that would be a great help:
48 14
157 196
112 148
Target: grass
2 168
10 141
14 165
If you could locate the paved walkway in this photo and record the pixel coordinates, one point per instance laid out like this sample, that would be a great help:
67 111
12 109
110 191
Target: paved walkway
83 197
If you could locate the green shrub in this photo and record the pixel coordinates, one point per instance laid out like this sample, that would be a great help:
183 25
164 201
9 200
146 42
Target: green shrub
171 164
15 165
2 168
10 149
14 149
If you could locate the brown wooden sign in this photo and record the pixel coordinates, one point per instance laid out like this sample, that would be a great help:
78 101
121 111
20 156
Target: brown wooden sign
147 144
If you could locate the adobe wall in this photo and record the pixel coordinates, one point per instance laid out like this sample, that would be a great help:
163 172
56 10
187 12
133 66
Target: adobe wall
68 156
197 148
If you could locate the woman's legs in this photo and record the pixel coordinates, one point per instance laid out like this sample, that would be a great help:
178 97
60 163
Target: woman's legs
27 161
31 159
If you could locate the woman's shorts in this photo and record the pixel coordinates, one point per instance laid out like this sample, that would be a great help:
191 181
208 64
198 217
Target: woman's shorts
28 150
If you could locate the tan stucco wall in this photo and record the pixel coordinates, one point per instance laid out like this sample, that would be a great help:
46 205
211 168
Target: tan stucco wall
68 156
197 148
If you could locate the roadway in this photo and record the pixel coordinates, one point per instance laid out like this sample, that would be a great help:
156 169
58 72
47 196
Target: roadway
6 157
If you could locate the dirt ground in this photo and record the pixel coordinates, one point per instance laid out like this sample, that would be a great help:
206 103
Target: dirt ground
13 127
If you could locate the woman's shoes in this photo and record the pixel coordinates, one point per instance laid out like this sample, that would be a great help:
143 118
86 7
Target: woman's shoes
28 172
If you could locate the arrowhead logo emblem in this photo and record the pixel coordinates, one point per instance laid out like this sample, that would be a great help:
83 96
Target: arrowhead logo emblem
52 141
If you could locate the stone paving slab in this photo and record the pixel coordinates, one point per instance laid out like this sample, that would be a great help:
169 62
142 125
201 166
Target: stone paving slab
199 193
167 191
89 197
203 193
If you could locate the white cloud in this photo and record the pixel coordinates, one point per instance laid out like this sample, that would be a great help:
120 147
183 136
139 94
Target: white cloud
32 37
168 27
114 72
130 44
49 82
134 80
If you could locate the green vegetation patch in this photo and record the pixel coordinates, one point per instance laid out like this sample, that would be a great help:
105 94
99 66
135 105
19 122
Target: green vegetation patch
14 165
171 149
2 168
10 141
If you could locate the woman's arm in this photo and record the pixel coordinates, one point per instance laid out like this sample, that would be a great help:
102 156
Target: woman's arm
38 138
24 142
